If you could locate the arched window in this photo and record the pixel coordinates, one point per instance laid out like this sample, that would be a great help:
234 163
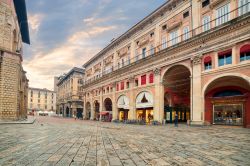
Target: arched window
245 52
207 63
225 57
151 78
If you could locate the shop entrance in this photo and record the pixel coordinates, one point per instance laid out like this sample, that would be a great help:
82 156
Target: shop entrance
107 114
176 83
123 114
146 114
79 113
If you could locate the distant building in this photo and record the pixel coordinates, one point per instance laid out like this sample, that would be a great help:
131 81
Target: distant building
69 102
13 82
41 100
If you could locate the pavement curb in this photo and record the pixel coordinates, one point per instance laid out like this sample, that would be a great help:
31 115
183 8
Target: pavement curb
19 122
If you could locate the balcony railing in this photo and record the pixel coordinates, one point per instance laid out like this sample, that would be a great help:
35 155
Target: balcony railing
204 28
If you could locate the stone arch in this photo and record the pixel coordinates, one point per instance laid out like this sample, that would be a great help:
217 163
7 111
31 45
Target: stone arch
246 78
108 104
124 103
175 65
219 109
144 98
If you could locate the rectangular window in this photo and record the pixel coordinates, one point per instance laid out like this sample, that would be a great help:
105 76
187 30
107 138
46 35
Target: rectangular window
143 79
122 85
164 43
127 84
174 37
117 87
136 82
185 33
222 14
245 56
151 78
225 59
208 65
205 3
186 14
144 52
152 50
244 7
206 23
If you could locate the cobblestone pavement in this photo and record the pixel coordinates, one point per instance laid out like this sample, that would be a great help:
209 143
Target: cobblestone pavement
58 141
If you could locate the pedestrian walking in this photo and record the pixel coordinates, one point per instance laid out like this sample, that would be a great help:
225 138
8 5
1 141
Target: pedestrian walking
176 120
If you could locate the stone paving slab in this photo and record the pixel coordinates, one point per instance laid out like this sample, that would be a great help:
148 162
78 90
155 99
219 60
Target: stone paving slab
29 120
58 141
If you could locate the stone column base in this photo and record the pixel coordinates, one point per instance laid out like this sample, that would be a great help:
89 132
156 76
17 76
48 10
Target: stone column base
197 123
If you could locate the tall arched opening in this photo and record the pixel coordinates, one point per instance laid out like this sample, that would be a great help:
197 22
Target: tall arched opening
123 107
88 111
177 85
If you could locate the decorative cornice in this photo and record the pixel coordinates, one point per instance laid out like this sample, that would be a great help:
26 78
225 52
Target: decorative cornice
157 71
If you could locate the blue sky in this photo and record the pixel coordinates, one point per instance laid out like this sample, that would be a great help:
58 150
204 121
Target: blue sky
67 33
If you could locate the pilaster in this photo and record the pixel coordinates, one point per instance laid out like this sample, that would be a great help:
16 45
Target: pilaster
158 96
196 92
132 109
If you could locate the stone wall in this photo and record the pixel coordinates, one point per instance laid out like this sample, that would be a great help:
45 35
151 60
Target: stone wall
13 82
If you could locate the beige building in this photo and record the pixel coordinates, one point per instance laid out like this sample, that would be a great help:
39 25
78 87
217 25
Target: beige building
190 58
13 81
69 102
41 100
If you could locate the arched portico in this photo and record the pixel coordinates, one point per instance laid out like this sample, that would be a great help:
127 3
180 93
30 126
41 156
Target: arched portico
226 100
177 86
144 105
108 107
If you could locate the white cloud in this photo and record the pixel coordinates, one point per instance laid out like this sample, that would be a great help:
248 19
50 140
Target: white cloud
74 52
35 21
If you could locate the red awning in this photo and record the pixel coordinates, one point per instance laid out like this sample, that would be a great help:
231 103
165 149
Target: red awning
104 113
225 52
245 48
207 59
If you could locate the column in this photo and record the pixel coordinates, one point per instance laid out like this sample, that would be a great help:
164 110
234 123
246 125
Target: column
158 96
84 113
101 102
114 104
132 100
196 93
92 107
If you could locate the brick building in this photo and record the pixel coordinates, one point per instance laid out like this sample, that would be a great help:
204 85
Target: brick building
13 81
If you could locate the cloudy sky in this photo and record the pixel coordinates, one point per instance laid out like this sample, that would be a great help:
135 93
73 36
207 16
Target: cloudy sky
67 33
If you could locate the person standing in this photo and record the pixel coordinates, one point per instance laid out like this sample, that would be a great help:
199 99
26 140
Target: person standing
176 120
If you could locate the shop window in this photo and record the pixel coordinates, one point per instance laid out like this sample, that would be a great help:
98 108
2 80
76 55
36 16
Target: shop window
245 53
225 58
207 63
127 84
117 87
122 85
143 79
186 14
151 78
205 3
136 82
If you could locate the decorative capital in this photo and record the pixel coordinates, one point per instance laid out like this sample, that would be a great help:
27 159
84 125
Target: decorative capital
197 60
157 71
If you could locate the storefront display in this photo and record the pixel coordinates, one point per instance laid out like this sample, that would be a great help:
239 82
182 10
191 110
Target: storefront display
228 114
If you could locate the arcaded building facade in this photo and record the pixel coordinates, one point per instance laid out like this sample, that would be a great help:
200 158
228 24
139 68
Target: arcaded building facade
13 81
190 58
69 102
